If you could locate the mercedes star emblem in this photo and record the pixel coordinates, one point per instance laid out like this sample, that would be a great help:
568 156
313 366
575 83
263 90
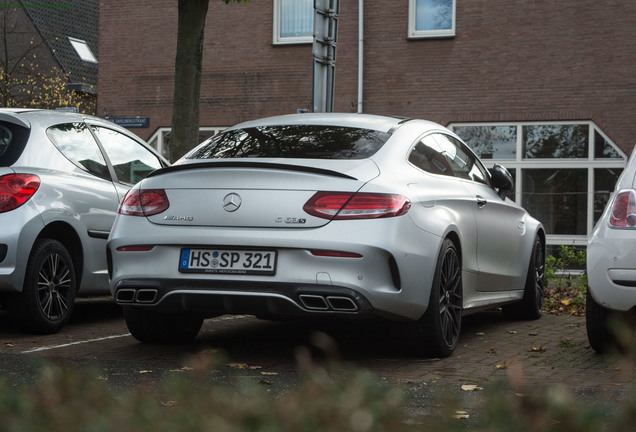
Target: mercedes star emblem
231 202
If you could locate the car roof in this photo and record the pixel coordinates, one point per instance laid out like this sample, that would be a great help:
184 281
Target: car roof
366 121
27 117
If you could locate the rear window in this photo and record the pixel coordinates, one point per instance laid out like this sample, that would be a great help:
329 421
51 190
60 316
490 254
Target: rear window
13 139
292 141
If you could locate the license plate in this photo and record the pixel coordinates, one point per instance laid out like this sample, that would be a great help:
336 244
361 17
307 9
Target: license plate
228 261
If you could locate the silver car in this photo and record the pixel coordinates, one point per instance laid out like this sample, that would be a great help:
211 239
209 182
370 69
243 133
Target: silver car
343 215
611 268
62 176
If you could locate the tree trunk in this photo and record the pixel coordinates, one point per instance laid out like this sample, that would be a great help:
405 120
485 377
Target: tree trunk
187 79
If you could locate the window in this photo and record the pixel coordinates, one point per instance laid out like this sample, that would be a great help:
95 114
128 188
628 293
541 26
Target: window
293 21
132 161
77 144
431 18
83 50
292 141
564 171
445 155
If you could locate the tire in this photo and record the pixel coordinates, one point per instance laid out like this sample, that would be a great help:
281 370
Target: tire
48 294
437 332
149 326
607 330
531 305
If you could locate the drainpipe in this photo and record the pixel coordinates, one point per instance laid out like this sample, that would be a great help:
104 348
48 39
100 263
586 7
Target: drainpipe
360 51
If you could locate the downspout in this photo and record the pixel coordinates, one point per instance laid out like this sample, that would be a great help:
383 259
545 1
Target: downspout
360 51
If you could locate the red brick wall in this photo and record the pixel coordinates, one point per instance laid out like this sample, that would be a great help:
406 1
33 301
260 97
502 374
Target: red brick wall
520 60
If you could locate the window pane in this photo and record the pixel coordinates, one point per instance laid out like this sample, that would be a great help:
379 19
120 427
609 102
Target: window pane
292 141
490 142
433 15
132 161
603 149
558 198
427 156
604 182
555 141
76 143
296 18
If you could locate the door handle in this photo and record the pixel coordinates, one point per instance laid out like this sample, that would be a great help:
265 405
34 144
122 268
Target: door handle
481 201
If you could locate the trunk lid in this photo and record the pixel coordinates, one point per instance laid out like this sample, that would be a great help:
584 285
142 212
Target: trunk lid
248 194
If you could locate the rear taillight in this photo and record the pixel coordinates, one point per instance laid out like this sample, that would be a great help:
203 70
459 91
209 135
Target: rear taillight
144 202
623 211
16 189
349 205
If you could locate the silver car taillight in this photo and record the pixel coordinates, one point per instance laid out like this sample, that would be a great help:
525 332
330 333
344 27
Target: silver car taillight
144 202
623 211
350 205
16 189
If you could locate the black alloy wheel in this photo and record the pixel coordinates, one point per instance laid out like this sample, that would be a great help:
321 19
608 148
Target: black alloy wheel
48 294
436 334
531 305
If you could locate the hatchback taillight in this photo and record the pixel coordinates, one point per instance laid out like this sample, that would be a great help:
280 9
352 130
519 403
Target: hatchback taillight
623 211
350 205
144 202
16 189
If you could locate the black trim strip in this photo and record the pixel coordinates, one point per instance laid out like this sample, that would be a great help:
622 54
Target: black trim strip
262 165
98 234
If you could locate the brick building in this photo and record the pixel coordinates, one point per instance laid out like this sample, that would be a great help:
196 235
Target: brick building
43 42
547 88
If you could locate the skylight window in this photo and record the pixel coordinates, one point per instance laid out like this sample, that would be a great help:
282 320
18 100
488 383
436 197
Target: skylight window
83 50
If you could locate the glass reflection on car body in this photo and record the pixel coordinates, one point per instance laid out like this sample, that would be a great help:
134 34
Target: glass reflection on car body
293 141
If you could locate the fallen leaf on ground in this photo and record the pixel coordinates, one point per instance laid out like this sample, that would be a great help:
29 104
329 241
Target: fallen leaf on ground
492 351
471 387
512 332
538 349
461 415
145 371
504 365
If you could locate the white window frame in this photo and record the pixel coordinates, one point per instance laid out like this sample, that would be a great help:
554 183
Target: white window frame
83 50
417 34
276 37
589 163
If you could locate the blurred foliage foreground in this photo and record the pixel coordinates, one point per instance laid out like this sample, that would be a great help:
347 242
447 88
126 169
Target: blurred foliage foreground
330 398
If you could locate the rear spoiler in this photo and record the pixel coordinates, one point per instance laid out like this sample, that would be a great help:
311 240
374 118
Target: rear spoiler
247 164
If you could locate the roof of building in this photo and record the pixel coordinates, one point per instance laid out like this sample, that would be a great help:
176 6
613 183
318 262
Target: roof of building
60 22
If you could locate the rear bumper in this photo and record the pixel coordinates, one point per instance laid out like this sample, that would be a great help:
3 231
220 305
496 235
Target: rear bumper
611 268
213 298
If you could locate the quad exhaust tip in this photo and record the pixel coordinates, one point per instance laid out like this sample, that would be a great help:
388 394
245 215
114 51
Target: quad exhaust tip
328 303
130 295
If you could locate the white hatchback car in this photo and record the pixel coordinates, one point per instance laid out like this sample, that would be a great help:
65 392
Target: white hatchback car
62 176
611 268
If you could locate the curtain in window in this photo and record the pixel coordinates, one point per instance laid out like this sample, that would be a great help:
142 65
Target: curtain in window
296 18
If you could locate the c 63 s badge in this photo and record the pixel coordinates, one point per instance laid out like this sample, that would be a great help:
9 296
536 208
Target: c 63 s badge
291 220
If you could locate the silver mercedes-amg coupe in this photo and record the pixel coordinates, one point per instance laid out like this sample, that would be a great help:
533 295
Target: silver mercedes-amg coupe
343 215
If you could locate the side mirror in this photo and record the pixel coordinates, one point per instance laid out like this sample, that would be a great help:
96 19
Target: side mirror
501 180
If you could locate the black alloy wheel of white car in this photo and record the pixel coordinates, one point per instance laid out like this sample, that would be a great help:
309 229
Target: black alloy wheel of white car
608 330
48 294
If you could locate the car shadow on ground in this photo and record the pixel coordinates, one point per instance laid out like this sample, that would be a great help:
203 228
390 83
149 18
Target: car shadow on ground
254 340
